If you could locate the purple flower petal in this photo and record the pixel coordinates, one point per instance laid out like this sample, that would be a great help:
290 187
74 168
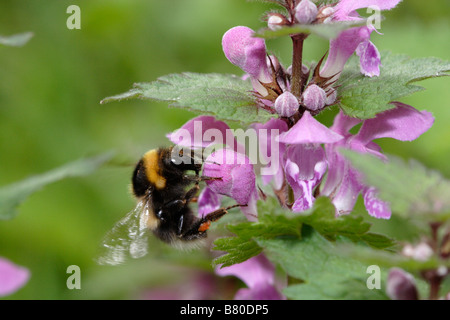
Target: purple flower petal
337 165
271 151
369 59
247 52
200 132
402 123
309 130
348 40
258 274
341 49
343 123
305 167
345 7
238 179
12 277
376 207
345 198
304 158
400 285
252 271
208 201
261 291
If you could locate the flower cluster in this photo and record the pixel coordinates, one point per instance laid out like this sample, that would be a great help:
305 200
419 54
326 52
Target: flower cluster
303 154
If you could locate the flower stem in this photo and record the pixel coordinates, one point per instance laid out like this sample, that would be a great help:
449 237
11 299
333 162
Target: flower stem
435 285
297 56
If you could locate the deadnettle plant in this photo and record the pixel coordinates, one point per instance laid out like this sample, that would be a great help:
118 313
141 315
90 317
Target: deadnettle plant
298 159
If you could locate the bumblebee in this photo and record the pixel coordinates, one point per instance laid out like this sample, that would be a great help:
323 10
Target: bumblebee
164 190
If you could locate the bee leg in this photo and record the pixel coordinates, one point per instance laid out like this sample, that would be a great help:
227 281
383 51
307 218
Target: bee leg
198 230
194 199
205 178
191 193
197 179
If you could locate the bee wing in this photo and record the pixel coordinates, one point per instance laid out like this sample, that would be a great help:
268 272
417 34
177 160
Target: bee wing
128 237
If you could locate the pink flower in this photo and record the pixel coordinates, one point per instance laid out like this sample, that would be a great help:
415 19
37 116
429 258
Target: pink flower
238 179
343 182
12 277
258 274
306 163
248 53
354 39
401 285
271 151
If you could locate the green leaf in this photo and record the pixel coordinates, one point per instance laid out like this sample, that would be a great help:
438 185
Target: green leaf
14 194
275 222
244 246
324 274
226 96
363 97
409 187
324 30
322 218
16 40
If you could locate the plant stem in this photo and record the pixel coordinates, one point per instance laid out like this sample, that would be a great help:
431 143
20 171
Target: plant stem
297 56
435 285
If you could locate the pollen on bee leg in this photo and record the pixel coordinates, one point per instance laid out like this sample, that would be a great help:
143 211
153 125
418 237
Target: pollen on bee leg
204 226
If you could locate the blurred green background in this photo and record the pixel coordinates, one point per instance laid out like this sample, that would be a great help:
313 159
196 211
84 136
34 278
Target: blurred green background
50 115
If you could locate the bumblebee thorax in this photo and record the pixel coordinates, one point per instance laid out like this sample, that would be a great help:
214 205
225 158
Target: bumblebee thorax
153 171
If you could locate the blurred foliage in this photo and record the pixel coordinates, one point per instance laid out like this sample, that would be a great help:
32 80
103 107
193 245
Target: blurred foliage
50 114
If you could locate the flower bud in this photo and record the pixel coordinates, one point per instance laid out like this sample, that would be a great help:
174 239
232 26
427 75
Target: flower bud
401 285
331 96
306 12
286 104
314 97
247 52
325 14
276 21
421 252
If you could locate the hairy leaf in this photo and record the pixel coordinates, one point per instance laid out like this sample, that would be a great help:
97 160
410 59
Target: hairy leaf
409 187
363 97
324 274
276 222
226 96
